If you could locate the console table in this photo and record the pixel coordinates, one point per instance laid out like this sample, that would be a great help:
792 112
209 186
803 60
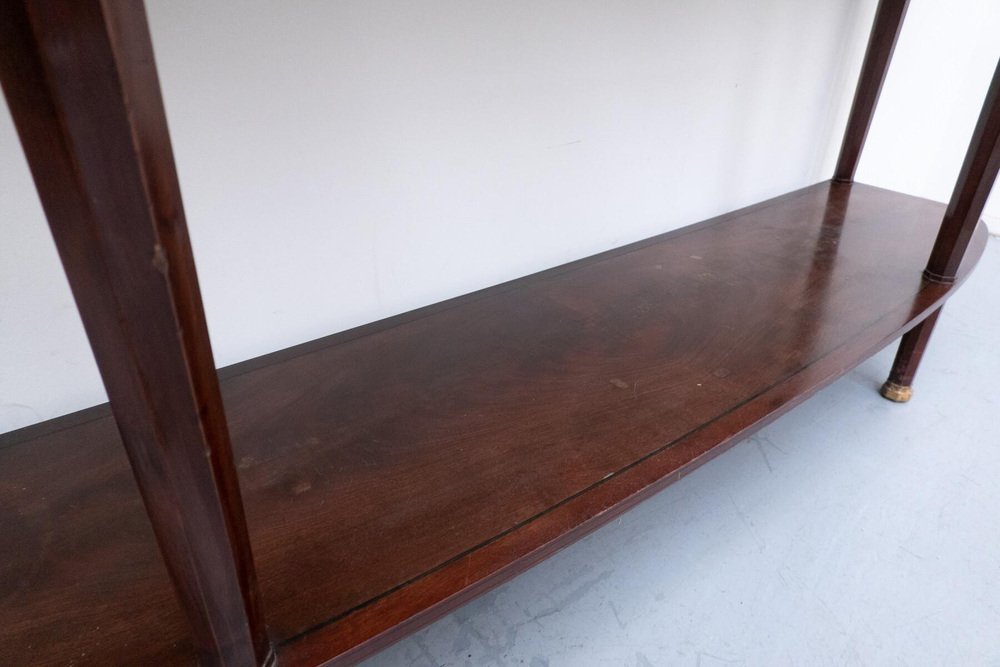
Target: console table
314 504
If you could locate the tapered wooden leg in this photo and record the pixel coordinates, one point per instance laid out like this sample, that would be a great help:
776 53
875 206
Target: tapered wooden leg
83 92
975 182
889 17
899 386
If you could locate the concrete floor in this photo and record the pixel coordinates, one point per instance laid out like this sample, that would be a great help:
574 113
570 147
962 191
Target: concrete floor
852 531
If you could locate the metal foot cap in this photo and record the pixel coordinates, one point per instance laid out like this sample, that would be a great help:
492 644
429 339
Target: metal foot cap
896 392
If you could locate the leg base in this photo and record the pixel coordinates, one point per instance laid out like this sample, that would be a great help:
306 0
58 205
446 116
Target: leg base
896 392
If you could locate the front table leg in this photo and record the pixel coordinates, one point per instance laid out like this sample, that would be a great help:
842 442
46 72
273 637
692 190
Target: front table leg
899 386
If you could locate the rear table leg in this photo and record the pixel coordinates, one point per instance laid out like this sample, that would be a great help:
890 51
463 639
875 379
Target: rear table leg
899 386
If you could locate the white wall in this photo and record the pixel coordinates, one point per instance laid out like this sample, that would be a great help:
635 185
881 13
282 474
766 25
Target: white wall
342 162
940 71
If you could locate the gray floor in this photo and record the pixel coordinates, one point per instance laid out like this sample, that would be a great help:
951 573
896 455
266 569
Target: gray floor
851 532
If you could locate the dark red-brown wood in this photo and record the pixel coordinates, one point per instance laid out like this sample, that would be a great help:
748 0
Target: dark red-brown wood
881 43
911 351
82 88
972 189
975 182
394 471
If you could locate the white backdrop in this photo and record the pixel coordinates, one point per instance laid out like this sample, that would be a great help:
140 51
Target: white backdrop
942 67
342 162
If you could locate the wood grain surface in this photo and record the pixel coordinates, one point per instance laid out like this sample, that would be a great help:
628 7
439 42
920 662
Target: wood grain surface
82 88
393 471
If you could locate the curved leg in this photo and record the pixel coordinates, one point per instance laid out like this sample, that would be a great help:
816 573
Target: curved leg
899 386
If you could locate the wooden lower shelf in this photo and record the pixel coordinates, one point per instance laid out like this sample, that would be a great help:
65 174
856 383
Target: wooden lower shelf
394 471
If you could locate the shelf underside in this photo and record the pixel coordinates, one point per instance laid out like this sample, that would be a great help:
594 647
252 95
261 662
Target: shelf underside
391 472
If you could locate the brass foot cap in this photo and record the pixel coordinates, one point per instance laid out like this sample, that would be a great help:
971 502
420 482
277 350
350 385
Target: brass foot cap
896 392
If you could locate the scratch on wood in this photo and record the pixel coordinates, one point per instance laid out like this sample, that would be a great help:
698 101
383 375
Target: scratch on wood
160 259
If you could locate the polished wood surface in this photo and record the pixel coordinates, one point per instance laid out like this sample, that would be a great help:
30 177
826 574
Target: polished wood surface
961 219
394 471
972 189
911 351
83 92
888 22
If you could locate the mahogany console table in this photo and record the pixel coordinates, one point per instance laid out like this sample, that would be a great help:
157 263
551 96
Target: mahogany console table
317 503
